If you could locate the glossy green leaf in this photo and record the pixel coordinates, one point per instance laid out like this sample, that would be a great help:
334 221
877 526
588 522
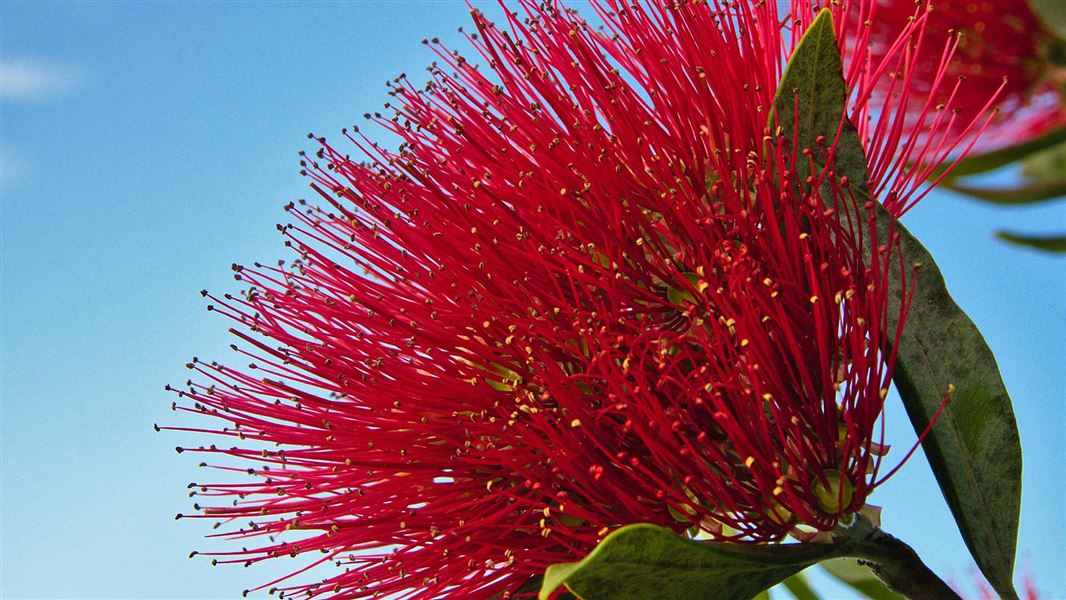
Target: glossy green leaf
981 163
1047 243
530 587
800 588
1043 179
642 562
1052 13
1027 193
973 448
813 83
859 578
1046 164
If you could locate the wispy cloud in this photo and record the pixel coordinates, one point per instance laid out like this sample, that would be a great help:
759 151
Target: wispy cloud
36 79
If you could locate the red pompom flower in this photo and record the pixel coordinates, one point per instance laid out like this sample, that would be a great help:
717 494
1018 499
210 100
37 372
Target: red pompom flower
591 287
994 44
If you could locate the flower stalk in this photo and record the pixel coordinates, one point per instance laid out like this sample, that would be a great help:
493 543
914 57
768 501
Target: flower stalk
899 567
892 560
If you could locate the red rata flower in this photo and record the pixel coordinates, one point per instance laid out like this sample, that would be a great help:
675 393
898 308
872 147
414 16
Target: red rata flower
987 593
585 291
995 43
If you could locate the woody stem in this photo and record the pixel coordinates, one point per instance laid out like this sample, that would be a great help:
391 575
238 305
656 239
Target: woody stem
899 567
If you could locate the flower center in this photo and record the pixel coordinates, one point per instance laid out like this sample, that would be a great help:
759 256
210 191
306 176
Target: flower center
833 492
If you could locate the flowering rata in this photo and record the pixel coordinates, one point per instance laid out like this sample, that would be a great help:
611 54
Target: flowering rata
593 286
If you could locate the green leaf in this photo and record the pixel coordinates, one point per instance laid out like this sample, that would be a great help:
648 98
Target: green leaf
641 562
530 587
981 163
1028 193
849 572
800 588
813 81
973 449
1042 173
1052 13
1047 243
1049 163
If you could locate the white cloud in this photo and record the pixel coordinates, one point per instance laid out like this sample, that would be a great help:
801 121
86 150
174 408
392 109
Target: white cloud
36 79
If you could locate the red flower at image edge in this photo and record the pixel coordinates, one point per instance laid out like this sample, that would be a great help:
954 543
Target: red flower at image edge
584 292
994 44
987 593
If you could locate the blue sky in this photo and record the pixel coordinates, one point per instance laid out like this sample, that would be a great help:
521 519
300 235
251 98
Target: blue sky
146 146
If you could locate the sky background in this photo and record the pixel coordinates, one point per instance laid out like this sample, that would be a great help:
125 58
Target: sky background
144 147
